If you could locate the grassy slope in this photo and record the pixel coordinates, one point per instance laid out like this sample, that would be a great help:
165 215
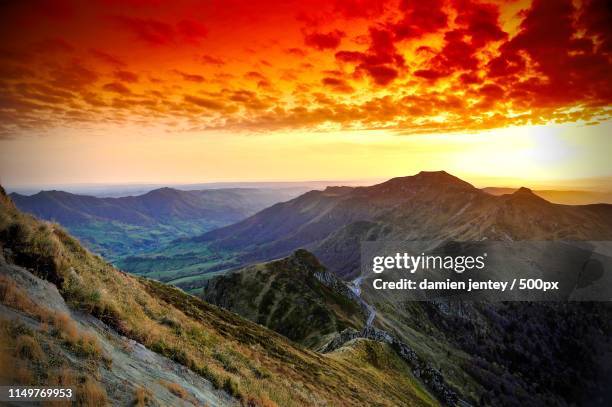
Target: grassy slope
115 240
251 362
282 295
183 263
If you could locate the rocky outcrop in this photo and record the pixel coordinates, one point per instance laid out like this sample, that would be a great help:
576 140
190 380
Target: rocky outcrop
429 375
131 366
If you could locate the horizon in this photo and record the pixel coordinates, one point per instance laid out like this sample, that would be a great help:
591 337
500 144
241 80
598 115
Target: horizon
601 184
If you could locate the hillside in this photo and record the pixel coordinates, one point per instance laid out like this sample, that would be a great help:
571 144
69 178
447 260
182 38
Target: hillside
515 354
115 227
64 308
333 222
295 297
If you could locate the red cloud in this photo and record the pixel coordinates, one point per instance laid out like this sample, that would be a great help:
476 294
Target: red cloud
210 60
429 74
381 61
106 57
555 66
126 76
191 30
190 77
359 8
323 41
52 45
381 74
420 18
205 103
573 69
254 75
117 87
339 85
151 31
298 52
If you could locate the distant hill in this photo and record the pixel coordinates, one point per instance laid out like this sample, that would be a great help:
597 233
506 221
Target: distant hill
332 223
115 227
560 197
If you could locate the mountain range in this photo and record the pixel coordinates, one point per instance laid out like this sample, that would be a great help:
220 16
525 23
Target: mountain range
114 227
332 223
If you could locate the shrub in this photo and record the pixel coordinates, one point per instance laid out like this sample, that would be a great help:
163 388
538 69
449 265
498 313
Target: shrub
226 362
27 347
14 297
208 374
63 377
66 328
175 389
91 394
88 346
231 387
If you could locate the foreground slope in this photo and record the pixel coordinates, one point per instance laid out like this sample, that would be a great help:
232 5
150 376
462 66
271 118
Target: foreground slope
253 365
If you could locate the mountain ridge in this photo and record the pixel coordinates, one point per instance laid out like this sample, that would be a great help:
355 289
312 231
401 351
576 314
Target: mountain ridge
425 206
115 227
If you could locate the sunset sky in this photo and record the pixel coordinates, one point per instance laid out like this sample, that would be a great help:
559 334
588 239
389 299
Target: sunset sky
511 92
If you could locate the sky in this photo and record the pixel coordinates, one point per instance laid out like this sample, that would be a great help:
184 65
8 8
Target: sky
108 91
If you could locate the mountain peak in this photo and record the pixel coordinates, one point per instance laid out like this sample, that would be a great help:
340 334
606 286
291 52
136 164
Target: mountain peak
523 191
164 191
524 194
437 175
432 178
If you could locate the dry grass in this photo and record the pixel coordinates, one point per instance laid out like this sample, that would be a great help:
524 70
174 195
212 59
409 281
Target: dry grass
176 389
14 297
142 397
85 344
63 377
91 394
23 375
22 349
27 347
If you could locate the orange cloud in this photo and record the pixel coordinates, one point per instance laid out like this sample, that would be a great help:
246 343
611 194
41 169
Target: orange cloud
405 66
